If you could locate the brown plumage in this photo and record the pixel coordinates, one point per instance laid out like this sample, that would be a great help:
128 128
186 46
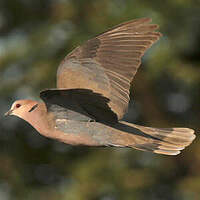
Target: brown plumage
92 95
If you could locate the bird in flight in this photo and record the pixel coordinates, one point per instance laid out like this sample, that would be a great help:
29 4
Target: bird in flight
92 95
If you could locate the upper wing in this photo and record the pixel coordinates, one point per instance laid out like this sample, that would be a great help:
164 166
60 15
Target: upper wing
78 105
118 53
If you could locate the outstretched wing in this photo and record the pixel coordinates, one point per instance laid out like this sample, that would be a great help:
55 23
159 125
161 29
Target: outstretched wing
117 52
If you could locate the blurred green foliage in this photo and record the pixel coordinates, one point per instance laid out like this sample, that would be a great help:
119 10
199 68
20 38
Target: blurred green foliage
35 36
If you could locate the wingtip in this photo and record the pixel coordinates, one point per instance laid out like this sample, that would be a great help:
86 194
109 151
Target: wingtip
145 19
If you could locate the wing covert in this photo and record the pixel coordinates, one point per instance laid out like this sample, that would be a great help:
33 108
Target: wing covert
78 105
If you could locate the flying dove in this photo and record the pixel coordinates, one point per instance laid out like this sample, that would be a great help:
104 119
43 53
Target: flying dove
92 95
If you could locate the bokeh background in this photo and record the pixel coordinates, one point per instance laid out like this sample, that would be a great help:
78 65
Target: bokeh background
35 35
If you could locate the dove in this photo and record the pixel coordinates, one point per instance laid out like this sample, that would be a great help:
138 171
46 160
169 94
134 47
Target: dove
93 92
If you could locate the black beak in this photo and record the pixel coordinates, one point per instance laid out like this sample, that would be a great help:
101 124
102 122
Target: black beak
8 113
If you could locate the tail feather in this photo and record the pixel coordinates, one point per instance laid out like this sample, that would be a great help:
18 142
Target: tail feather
177 136
168 141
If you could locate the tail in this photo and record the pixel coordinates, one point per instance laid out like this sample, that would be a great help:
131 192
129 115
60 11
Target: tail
168 141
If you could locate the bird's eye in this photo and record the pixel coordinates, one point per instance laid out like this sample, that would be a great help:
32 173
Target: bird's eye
18 105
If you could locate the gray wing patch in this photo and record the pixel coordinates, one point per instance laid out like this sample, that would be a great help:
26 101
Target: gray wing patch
61 112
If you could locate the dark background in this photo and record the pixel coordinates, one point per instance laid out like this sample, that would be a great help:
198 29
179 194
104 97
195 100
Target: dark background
35 35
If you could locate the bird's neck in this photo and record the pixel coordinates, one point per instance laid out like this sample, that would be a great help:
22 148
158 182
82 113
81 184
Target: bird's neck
41 120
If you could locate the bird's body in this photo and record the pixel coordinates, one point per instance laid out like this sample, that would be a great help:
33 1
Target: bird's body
92 95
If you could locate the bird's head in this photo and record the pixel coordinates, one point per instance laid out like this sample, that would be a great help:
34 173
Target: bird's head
31 111
22 108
